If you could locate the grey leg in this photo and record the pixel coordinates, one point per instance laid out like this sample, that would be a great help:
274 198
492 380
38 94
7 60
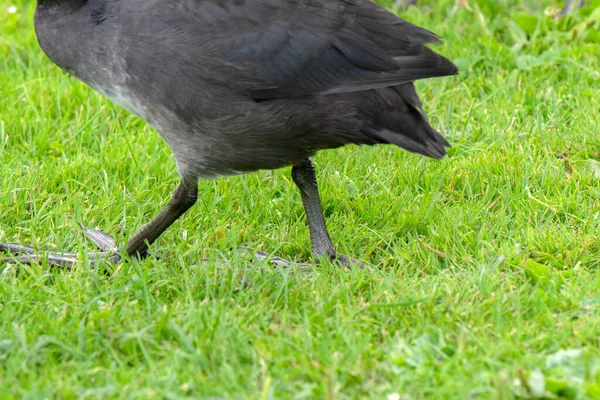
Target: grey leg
184 197
305 178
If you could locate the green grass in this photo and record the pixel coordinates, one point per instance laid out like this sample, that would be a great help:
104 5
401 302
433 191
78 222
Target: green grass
483 266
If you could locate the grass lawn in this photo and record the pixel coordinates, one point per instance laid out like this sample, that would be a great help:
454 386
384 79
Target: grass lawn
483 277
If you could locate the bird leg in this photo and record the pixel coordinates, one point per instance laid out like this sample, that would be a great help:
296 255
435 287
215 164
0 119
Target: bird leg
305 178
182 200
184 197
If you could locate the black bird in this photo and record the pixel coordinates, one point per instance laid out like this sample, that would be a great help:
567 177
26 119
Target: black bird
235 86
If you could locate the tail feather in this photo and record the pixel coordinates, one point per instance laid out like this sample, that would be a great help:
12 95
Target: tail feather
394 115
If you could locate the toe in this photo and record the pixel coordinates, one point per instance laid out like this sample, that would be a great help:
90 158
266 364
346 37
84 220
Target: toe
347 262
16 248
102 240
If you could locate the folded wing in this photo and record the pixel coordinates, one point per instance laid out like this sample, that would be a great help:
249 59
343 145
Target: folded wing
290 48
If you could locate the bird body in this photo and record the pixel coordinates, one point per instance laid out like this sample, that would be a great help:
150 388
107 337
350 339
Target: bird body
235 86
238 86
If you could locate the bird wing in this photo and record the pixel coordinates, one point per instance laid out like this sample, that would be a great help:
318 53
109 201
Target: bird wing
290 48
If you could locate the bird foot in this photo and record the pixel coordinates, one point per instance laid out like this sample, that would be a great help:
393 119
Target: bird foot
110 253
334 257
24 254
343 260
276 261
28 255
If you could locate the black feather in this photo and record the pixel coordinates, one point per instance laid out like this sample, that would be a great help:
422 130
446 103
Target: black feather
239 85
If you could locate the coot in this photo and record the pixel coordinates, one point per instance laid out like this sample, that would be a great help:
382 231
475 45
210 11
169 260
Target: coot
235 86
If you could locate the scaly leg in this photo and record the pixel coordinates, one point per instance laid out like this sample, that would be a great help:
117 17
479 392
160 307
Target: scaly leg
305 178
